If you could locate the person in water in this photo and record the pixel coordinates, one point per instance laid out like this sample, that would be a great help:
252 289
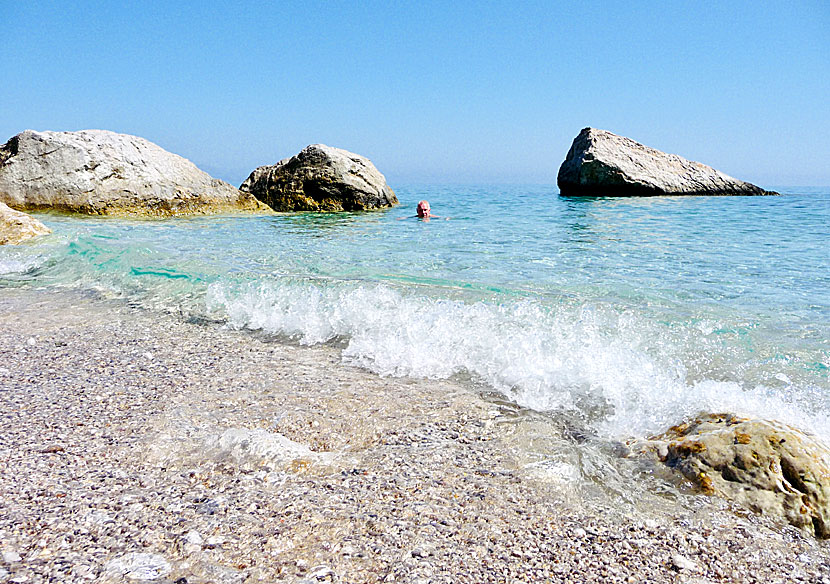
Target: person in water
424 212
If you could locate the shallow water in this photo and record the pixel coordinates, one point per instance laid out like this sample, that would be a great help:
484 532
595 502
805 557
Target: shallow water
621 316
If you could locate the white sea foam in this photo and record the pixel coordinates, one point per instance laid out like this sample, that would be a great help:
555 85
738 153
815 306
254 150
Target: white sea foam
621 372
17 265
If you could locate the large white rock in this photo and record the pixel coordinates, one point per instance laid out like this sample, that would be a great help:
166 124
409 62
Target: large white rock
103 173
321 178
600 163
16 226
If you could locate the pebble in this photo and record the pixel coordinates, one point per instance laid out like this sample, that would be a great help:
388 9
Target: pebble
322 572
407 484
193 537
682 563
139 566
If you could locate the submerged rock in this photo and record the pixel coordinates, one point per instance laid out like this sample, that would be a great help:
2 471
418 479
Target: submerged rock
16 226
98 172
259 449
769 467
600 163
321 178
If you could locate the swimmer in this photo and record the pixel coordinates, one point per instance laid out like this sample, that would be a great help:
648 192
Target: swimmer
424 212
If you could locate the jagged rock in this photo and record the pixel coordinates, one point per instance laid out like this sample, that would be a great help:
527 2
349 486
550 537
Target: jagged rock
16 226
321 178
600 163
769 467
103 173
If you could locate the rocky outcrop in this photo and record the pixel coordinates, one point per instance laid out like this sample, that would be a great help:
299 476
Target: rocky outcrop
771 468
16 226
103 173
321 178
600 163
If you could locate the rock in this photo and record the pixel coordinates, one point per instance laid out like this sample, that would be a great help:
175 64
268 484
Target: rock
682 563
16 227
322 572
139 566
11 556
98 172
321 178
194 537
600 163
259 449
766 466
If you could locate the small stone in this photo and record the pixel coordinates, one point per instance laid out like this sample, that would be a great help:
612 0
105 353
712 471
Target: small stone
580 533
681 563
139 566
322 572
31 341
11 557
194 537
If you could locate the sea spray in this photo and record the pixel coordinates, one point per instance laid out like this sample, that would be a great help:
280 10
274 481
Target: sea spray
618 372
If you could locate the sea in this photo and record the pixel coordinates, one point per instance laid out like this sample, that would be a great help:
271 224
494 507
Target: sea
623 316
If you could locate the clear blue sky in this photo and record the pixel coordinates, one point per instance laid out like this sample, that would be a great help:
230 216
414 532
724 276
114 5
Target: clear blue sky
432 91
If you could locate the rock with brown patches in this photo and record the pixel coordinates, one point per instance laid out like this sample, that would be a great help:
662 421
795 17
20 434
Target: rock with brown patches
98 172
321 178
769 467
600 163
16 226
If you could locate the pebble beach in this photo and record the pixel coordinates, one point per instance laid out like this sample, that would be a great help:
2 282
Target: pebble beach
145 447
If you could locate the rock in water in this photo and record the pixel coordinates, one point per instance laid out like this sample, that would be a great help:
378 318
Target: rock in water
99 172
16 226
600 163
771 468
321 178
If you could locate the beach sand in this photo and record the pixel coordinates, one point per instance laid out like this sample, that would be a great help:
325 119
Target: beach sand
137 446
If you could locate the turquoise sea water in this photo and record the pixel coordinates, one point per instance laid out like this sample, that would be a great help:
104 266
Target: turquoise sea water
625 315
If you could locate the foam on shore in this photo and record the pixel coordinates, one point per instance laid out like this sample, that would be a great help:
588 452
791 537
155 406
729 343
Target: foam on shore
619 372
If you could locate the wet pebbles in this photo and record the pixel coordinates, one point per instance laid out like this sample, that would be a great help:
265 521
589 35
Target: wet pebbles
114 470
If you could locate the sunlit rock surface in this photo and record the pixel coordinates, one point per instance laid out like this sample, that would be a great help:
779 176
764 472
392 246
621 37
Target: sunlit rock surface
321 178
600 163
771 468
99 172
16 226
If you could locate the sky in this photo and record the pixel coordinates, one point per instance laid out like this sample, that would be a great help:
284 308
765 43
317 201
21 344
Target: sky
432 92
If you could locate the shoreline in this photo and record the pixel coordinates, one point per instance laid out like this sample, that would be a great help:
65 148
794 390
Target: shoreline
112 446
